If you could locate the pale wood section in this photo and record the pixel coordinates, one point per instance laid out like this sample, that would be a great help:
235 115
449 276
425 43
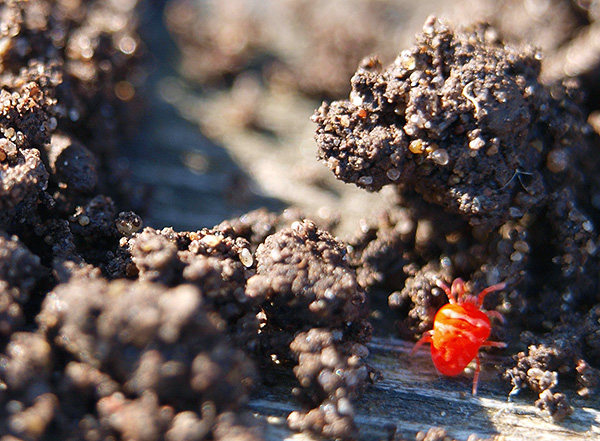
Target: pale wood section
414 397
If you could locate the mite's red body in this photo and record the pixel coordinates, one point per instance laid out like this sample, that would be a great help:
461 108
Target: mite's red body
460 328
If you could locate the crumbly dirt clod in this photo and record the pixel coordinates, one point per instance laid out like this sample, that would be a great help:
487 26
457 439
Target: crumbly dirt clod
73 166
331 373
461 118
314 317
422 297
380 250
556 404
255 226
218 264
140 360
304 270
566 354
20 272
23 178
296 281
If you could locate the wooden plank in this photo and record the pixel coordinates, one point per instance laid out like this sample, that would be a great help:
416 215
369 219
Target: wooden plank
413 397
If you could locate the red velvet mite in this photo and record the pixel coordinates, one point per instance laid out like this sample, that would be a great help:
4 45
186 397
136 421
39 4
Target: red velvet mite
460 328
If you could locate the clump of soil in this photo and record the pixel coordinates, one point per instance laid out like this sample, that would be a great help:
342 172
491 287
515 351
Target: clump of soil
460 118
569 352
304 270
20 273
139 339
314 316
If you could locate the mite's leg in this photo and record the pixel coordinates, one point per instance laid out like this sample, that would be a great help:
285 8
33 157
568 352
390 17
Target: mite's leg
458 289
494 344
488 290
425 339
449 293
476 376
495 314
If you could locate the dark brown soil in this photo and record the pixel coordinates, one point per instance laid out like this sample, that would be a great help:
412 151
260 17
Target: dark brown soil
110 329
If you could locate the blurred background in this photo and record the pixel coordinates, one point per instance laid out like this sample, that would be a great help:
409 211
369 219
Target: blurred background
232 87
234 83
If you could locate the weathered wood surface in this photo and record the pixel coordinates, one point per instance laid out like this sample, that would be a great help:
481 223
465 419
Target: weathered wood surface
413 397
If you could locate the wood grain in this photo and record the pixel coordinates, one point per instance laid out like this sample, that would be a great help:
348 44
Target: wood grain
413 397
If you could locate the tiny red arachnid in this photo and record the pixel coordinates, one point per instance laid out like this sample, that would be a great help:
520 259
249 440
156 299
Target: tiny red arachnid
460 328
